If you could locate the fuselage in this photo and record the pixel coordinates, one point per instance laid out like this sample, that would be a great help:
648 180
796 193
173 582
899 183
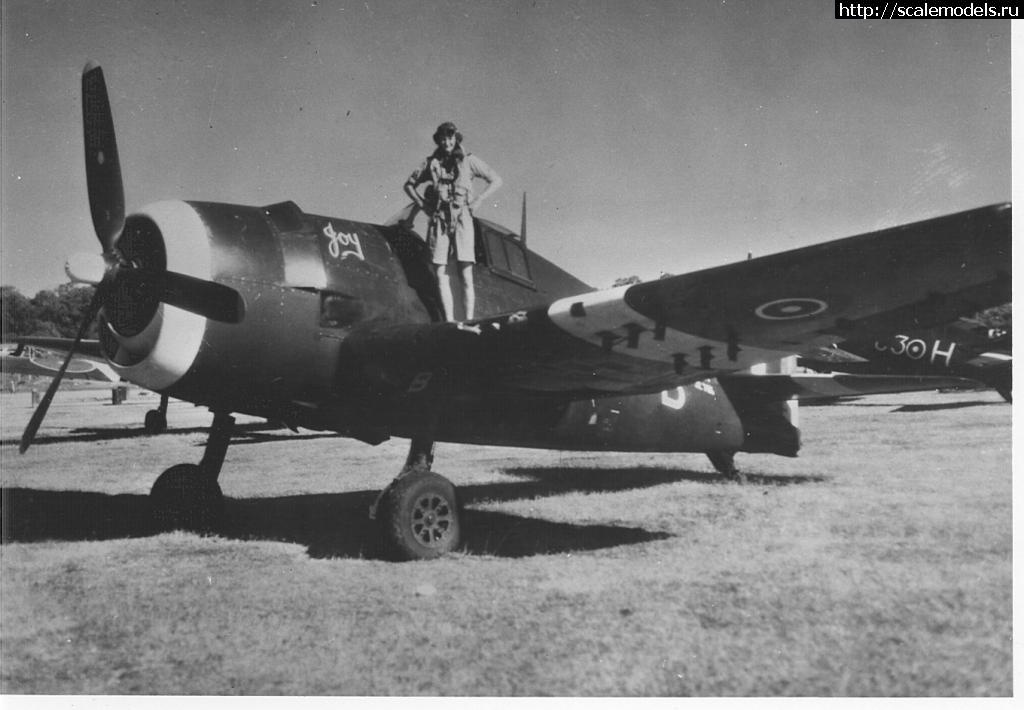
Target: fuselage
310 283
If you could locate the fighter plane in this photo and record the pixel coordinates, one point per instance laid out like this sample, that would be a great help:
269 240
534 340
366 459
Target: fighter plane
21 359
34 355
332 324
964 348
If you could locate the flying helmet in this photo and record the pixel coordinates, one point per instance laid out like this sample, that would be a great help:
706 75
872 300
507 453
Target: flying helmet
444 130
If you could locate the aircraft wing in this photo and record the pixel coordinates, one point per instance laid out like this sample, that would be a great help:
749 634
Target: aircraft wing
48 366
659 334
811 387
89 349
89 365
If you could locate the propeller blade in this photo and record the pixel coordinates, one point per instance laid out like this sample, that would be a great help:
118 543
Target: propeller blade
102 166
205 298
40 413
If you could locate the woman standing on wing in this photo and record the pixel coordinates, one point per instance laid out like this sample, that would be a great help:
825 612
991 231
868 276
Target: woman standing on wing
450 203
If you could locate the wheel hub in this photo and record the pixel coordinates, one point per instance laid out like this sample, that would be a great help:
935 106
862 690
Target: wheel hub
432 520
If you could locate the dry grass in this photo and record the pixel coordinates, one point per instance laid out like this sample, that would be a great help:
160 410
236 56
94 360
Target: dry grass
877 563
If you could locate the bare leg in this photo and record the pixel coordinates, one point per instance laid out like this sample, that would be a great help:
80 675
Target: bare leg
445 288
468 290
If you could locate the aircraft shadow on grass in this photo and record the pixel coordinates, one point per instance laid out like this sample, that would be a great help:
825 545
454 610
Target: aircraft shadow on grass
334 525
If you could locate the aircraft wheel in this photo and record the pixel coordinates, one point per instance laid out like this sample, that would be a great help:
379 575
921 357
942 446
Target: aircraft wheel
156 422
184 499
421 517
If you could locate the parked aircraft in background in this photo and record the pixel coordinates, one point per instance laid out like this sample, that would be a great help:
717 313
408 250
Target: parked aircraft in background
964 348
17 359
331 324
38 355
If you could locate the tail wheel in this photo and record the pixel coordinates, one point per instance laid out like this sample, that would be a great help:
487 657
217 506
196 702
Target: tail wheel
183 498
421 517
724 463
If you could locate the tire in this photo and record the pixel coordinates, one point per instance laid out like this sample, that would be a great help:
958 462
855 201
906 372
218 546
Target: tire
156 422
184 499
421 517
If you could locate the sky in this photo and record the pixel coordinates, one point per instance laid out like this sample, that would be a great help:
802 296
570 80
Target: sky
649 136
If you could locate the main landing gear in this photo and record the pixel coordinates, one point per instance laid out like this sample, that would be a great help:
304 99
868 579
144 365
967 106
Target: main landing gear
419 510
156 419
187 496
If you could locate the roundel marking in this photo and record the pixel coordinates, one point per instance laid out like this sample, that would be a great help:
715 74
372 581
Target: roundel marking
790 308
916 349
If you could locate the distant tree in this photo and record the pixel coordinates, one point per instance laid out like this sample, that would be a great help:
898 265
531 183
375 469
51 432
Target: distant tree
52 313
630 280
75 299
46 308
17 316
626 281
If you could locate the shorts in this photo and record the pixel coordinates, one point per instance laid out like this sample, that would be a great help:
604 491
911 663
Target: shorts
465 244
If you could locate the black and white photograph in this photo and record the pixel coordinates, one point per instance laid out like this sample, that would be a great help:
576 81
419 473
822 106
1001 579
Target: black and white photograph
505 349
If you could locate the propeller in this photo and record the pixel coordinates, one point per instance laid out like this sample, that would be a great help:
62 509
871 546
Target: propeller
113 272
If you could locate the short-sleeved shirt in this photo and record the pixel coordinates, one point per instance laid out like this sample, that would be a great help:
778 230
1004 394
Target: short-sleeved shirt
431 170
458 191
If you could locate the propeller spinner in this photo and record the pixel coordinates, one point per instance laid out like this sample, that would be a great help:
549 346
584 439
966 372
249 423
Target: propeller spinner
115 273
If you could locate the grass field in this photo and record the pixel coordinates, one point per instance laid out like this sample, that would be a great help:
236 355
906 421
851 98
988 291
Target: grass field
878 563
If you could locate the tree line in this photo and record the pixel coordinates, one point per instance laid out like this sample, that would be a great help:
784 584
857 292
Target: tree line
51 312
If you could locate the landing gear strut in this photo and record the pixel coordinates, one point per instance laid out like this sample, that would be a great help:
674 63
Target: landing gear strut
156 419
187 496
419 510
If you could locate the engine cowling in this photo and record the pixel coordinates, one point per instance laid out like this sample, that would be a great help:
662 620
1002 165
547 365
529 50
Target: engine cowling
148 342
306 282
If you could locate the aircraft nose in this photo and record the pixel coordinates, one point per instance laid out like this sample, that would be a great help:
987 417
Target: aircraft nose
85 268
